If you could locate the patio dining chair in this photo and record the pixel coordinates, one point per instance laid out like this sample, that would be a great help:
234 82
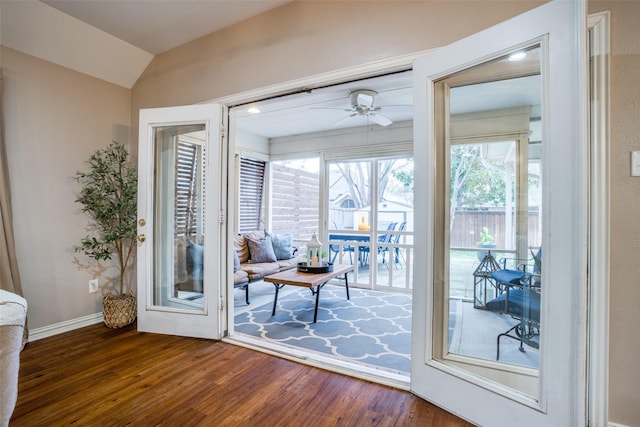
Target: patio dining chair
334 249
520 298
512 276
395 239
383 238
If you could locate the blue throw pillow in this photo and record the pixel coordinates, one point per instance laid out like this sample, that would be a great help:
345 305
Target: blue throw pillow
195 260
261 250
282 245
236 261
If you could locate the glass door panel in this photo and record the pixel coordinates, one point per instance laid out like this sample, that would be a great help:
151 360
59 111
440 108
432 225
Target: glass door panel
492 286
179 217
375 233
482 211
485 225
350 217
394 219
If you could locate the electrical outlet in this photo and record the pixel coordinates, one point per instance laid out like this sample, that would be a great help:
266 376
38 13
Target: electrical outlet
93 286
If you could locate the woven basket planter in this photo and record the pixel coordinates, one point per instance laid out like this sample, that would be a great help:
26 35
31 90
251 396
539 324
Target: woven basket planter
120 311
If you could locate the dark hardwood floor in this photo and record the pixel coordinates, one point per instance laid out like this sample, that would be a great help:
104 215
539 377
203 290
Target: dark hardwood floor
96 376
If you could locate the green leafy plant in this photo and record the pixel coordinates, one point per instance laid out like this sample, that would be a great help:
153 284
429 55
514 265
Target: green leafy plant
323 256
109 194
486 238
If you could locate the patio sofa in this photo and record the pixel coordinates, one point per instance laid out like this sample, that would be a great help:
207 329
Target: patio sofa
260 253
257 254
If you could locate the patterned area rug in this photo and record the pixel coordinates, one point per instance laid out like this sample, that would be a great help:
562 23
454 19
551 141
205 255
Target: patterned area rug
372 327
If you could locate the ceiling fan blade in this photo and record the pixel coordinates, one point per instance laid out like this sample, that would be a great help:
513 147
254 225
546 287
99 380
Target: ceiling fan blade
344 119
348 110
395 107
381 120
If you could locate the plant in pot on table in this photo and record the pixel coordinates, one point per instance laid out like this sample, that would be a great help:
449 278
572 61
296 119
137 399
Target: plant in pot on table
109 195
487 241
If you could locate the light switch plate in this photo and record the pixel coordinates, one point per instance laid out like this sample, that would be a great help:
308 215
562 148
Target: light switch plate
635 163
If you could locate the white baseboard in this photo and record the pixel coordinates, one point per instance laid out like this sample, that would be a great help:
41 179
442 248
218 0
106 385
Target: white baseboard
617 425
66 326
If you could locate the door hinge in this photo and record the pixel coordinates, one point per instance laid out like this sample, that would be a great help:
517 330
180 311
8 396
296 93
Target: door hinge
222 217
221 305
223 131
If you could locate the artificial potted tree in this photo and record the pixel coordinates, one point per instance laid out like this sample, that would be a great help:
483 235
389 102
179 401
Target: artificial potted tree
109 195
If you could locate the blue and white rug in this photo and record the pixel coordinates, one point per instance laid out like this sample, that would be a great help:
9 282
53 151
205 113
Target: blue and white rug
372 327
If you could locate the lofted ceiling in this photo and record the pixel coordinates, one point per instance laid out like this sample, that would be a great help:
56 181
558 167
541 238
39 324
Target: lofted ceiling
115 40
156 26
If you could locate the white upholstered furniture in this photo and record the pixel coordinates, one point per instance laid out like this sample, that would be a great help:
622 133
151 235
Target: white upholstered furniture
13 313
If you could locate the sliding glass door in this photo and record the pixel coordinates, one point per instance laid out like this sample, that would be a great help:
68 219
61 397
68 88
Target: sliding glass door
370 220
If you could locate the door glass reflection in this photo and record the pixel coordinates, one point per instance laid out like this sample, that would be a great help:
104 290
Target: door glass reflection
179 244
493 225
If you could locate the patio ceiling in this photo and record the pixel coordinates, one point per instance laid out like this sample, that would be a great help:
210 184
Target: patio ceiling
328 108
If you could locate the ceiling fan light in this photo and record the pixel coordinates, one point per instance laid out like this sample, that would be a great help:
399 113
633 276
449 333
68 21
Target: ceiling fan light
517 56
363 98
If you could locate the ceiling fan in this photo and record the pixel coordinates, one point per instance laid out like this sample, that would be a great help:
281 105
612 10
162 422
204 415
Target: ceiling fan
363 104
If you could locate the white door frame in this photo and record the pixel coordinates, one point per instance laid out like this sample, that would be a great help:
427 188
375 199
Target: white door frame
599 249
399 63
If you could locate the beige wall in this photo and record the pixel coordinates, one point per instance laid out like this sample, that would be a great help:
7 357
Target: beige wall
55 118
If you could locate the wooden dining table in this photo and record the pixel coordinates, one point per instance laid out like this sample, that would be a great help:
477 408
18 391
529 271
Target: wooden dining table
363 258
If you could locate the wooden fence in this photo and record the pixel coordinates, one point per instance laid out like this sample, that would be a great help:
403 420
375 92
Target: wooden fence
468 224
295 209
294 201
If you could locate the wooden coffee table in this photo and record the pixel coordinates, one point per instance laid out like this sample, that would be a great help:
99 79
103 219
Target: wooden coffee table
315 282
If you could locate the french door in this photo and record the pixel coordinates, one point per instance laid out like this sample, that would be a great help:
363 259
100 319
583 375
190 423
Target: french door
450 124
182 177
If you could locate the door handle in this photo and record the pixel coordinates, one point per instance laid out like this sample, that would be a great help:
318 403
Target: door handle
142 237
